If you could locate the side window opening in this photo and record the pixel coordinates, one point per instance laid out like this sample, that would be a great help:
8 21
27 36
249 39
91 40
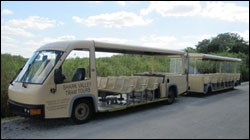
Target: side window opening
76 66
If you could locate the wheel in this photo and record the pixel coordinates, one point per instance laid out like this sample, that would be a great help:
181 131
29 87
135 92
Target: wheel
209 90
82 111
171 96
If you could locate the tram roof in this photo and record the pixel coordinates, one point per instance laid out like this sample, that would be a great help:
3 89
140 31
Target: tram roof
213 57
109 47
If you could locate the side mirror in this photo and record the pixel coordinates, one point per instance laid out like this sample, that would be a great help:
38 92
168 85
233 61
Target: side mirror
58 76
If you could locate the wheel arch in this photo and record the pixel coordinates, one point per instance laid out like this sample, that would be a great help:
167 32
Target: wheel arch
173 87
208 88
76 98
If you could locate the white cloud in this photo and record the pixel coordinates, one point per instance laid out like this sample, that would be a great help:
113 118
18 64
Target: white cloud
172 42
60 38
118 19
244 34
8 39
157 41
7 47
166 42
78 19
122 3
15 47
26 49
6 12
217 10
226 11
95 1
34 22
39 43
7 30
173 8
192 40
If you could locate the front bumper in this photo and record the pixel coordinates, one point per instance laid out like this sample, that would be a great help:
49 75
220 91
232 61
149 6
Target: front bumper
26 110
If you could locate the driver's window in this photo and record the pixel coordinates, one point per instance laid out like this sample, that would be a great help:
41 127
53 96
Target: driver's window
76 66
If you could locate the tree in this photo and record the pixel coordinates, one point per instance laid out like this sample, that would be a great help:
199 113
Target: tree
202 46
226 42
190 50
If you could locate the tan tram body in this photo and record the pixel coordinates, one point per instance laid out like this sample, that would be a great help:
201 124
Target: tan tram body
209 73
44 89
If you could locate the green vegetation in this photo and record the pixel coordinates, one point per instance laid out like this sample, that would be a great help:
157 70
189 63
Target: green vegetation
117 65
227 44
130 64
70 65
203 67
9 67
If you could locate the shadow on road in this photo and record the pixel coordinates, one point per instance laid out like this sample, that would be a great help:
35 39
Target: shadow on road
198 99
50 124
201 95
132 110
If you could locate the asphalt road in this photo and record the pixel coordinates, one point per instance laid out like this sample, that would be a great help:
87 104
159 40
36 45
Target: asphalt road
224 115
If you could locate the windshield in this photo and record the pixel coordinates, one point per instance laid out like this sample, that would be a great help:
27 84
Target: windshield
39 66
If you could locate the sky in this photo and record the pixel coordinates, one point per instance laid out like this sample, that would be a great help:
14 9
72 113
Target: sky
26 26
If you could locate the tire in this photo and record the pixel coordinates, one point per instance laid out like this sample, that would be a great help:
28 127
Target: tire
82 111
171 97
209 90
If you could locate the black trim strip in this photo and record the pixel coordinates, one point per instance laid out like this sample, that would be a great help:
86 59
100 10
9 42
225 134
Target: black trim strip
19 109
